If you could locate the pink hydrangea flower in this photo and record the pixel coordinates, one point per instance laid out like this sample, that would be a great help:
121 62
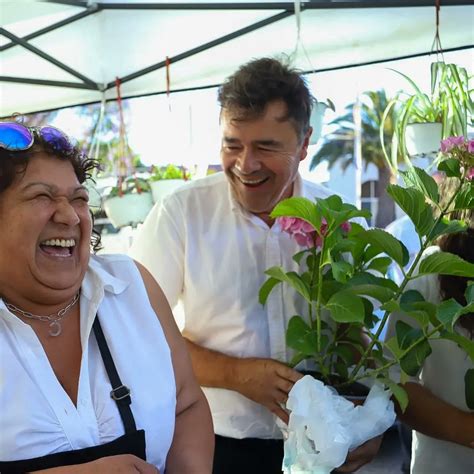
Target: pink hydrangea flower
304 233
470 146
470 174
448 143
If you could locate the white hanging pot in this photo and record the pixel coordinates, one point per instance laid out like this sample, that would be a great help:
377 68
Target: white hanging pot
163 187
128 209
316 121
423 138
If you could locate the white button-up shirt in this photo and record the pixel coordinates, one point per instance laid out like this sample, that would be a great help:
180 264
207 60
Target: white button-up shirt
38 418
210 254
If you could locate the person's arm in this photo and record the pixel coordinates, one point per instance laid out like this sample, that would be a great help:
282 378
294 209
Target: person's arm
434 417
265 381
119 464
192 448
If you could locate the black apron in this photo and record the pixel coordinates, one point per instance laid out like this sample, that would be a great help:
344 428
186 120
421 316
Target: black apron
132 442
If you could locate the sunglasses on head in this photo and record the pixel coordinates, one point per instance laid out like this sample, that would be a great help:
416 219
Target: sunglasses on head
17 137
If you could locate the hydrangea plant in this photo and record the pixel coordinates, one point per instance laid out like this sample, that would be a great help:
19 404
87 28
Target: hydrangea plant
342 278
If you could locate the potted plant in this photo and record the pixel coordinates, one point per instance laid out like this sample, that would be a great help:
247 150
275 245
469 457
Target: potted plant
165 180
340 272
422 119
129 202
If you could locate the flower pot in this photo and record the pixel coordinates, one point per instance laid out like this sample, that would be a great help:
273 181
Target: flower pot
325 425
353 392
316 121
163 187
128 209
423 138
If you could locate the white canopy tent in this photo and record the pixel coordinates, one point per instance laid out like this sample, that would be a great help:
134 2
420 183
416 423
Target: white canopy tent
61 53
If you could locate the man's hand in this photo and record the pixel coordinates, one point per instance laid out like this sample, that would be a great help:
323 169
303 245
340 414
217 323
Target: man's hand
267 382
361 455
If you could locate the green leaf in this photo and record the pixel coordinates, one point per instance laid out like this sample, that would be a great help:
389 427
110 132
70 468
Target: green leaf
469 388
407 336
464 198
469 293
445 226
399 393
297 358
422 181
444 263
341 271
390 306
298 207
344 351
392 345
413 304
450 167
293 279
412 201
389 244
380 293
297 336
266 289
380 264
345 307
447 313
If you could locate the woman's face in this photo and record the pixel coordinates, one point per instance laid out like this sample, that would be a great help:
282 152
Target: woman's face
45 230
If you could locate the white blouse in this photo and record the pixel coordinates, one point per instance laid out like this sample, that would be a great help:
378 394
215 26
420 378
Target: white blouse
37 417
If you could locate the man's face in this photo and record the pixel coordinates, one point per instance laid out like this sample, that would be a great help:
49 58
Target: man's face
261 156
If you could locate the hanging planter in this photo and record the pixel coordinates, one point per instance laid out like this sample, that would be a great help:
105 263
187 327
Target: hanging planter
129 202
423 138
316 119
163 181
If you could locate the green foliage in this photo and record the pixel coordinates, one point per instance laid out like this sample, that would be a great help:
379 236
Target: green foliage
449 103
168 172
129 185
342 278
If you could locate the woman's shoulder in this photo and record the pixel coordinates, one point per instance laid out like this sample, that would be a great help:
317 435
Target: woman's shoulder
112 266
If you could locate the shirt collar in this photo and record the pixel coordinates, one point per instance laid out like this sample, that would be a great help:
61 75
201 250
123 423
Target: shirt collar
98 280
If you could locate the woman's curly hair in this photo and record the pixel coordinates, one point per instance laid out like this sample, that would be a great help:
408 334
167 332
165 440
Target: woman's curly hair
13 163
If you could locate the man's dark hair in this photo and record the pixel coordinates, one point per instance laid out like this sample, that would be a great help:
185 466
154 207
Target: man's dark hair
264 80
16 162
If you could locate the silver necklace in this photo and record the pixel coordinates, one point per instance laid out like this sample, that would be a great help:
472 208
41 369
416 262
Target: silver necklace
54 319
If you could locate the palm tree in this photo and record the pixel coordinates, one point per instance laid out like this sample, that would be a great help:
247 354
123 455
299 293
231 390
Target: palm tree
338 147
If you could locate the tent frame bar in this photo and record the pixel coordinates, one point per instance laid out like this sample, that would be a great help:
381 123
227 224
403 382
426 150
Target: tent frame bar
47 57
204 47
53 27
305 5
211 86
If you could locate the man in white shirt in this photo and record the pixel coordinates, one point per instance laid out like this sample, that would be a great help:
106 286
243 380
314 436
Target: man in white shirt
208 245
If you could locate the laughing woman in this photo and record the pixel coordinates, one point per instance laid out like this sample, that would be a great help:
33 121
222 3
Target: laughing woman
94 374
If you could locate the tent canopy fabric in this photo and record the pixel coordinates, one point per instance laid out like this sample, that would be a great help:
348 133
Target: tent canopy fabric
62 53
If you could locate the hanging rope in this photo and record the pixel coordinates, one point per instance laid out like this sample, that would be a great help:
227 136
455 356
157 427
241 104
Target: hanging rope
168 81
94 147
299 42
436 46
125 165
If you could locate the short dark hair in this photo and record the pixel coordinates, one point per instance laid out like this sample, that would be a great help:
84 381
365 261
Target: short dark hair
16 162
264 80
